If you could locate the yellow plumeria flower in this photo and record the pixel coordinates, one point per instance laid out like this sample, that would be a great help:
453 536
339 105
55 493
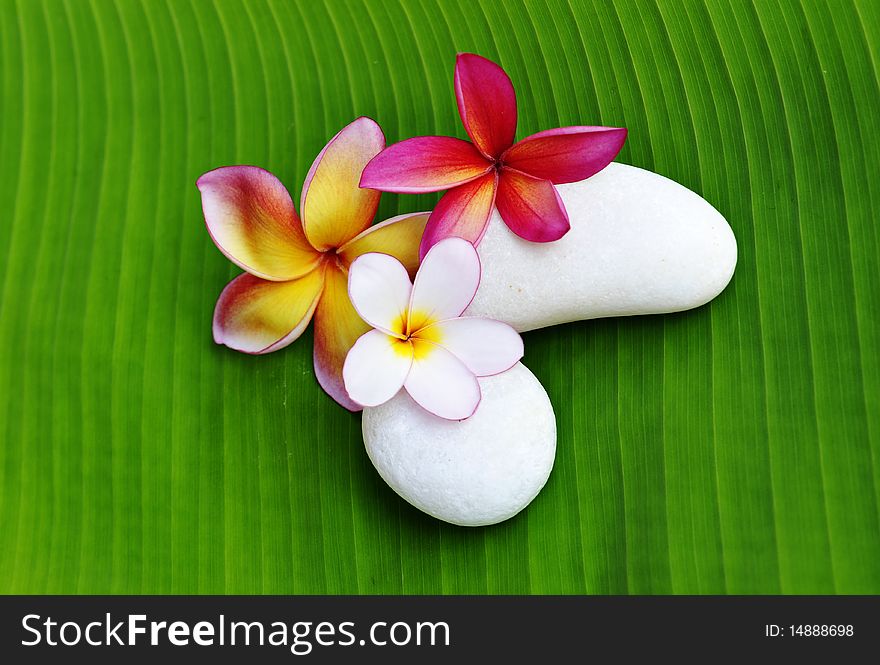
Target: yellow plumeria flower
298 269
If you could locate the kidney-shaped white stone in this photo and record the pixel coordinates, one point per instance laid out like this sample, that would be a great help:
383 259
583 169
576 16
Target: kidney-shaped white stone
639 244
475 472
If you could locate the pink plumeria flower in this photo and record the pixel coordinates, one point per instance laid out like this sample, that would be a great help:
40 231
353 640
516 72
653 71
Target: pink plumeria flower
296 270
518 179
419 340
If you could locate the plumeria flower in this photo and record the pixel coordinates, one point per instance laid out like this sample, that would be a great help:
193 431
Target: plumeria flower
419 340
298 269
518 179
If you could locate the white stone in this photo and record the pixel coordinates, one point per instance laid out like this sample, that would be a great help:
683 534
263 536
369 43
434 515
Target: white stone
639 244
475 472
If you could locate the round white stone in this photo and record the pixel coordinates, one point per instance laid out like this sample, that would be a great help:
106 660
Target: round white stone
479 471
639 244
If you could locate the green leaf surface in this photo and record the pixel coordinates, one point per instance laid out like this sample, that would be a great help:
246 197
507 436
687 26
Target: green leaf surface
730 449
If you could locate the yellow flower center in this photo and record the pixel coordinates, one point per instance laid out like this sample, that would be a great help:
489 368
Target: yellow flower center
422 336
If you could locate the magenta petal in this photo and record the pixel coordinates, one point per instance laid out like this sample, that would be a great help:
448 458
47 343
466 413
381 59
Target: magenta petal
530 207
462 212
567 154
486 103
424 164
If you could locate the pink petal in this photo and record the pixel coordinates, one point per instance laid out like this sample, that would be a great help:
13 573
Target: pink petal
441 383
531 208
379 288
424 164
485 346
254 315
567 154
446 283
462 212
251 219
334 208
376 368
486 103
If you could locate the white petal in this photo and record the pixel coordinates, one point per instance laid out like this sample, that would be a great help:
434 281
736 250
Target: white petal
376 367
485 346
441 383
379 288
446 282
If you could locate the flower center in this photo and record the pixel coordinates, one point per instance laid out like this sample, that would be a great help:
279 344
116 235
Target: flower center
416 326
417 321
332 257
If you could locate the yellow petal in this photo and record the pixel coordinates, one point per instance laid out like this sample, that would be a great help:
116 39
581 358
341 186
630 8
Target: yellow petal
254 315
399 236
251 219
334 207
337 328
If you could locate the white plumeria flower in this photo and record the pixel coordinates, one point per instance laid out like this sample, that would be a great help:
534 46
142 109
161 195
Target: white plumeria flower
420 341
